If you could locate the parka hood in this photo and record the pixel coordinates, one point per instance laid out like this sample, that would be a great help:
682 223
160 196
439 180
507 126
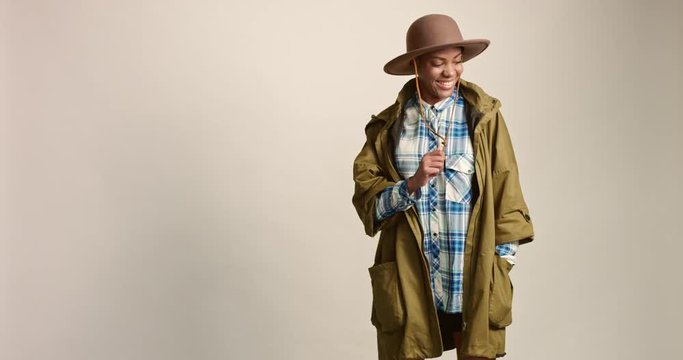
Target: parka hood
479 102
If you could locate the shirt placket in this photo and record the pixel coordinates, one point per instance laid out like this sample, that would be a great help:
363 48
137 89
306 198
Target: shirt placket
435 184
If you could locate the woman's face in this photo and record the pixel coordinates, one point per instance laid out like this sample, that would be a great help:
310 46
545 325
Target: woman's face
439 71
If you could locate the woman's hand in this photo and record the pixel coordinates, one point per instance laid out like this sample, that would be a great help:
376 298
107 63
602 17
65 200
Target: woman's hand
431 165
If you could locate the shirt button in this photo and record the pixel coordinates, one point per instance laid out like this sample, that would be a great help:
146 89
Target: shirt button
435 234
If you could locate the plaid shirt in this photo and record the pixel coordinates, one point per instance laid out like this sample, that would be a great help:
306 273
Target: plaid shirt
444 204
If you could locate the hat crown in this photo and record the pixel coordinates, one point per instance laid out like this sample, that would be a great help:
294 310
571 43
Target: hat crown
432 30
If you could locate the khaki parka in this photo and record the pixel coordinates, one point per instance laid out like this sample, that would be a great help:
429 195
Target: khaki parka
403 310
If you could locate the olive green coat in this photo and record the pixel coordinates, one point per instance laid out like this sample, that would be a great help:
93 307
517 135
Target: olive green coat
403 310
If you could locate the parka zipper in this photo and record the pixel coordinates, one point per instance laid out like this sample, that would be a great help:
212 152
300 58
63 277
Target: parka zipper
475 212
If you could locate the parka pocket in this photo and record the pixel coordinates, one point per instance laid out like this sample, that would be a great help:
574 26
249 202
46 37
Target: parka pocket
459 171
500 301
388 314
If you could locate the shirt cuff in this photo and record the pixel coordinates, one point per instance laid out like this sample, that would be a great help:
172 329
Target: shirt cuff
403 192
508 251
395 199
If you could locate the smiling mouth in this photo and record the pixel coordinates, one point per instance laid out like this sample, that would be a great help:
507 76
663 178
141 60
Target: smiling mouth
445 84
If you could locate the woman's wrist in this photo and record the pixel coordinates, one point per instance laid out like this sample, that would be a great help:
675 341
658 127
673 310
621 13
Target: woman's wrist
412 186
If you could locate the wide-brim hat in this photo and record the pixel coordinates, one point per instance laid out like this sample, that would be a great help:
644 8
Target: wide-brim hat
430 33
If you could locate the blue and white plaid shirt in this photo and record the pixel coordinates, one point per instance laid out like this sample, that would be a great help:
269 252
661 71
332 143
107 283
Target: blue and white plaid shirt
444 205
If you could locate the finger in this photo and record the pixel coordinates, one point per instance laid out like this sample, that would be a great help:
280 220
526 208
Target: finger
430 163
435 168
432 171
434 160
436 155
437 159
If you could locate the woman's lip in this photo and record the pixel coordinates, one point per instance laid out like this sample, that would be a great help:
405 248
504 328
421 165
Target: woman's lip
446 84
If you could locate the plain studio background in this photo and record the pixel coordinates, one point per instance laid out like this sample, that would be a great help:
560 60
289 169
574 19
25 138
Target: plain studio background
176 176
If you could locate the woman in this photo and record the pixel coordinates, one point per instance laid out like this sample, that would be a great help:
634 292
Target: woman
438 177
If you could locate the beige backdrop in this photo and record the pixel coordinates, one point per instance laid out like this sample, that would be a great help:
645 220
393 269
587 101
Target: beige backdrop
175 176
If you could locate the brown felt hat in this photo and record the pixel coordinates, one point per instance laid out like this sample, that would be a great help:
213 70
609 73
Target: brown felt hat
430 33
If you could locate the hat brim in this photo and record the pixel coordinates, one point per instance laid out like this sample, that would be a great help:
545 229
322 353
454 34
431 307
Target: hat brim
402 64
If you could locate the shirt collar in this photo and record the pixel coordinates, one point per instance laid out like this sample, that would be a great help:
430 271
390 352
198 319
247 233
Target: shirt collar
439 106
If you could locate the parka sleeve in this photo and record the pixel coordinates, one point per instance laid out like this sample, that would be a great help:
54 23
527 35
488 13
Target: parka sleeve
370 180
513 222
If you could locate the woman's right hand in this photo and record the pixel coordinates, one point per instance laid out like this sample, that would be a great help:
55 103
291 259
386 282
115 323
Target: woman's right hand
431 165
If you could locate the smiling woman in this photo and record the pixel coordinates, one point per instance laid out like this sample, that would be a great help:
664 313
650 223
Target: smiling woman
437 160
438 72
